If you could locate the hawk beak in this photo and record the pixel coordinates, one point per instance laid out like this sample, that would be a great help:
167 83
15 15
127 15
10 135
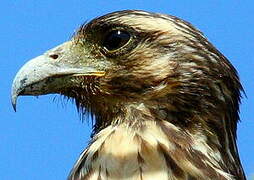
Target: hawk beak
44 75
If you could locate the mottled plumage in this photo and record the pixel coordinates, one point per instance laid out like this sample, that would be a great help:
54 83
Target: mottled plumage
165 100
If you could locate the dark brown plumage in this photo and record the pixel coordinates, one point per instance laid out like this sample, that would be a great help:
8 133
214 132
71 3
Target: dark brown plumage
165 100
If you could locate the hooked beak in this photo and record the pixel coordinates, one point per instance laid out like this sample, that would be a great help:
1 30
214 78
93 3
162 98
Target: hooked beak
47 75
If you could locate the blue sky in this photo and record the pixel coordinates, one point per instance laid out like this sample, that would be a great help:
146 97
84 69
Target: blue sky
43 139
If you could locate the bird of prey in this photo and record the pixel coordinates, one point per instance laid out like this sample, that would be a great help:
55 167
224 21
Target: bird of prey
165 100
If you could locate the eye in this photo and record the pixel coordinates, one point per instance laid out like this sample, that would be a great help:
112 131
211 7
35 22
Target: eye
116 39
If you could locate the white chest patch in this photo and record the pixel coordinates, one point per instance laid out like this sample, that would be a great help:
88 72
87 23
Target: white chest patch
121 152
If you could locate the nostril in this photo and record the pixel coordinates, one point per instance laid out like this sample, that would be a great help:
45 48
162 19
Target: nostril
54 56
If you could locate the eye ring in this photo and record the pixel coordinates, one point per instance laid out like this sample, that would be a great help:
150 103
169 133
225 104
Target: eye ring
116 39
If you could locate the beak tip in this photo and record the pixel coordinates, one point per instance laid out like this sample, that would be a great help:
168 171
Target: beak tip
14 108
14 102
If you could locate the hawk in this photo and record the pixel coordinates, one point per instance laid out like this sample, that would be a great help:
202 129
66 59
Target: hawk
165 100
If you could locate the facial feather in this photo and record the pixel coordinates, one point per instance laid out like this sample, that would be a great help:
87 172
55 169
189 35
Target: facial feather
165 100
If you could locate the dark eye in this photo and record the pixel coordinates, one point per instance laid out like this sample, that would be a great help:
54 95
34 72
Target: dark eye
116 39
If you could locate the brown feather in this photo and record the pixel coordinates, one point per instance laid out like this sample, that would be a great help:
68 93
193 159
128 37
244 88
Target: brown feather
164 100
172 102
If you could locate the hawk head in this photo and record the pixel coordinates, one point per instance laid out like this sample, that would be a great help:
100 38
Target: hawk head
144 70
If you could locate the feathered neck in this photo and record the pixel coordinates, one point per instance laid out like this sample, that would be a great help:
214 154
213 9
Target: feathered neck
153 149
